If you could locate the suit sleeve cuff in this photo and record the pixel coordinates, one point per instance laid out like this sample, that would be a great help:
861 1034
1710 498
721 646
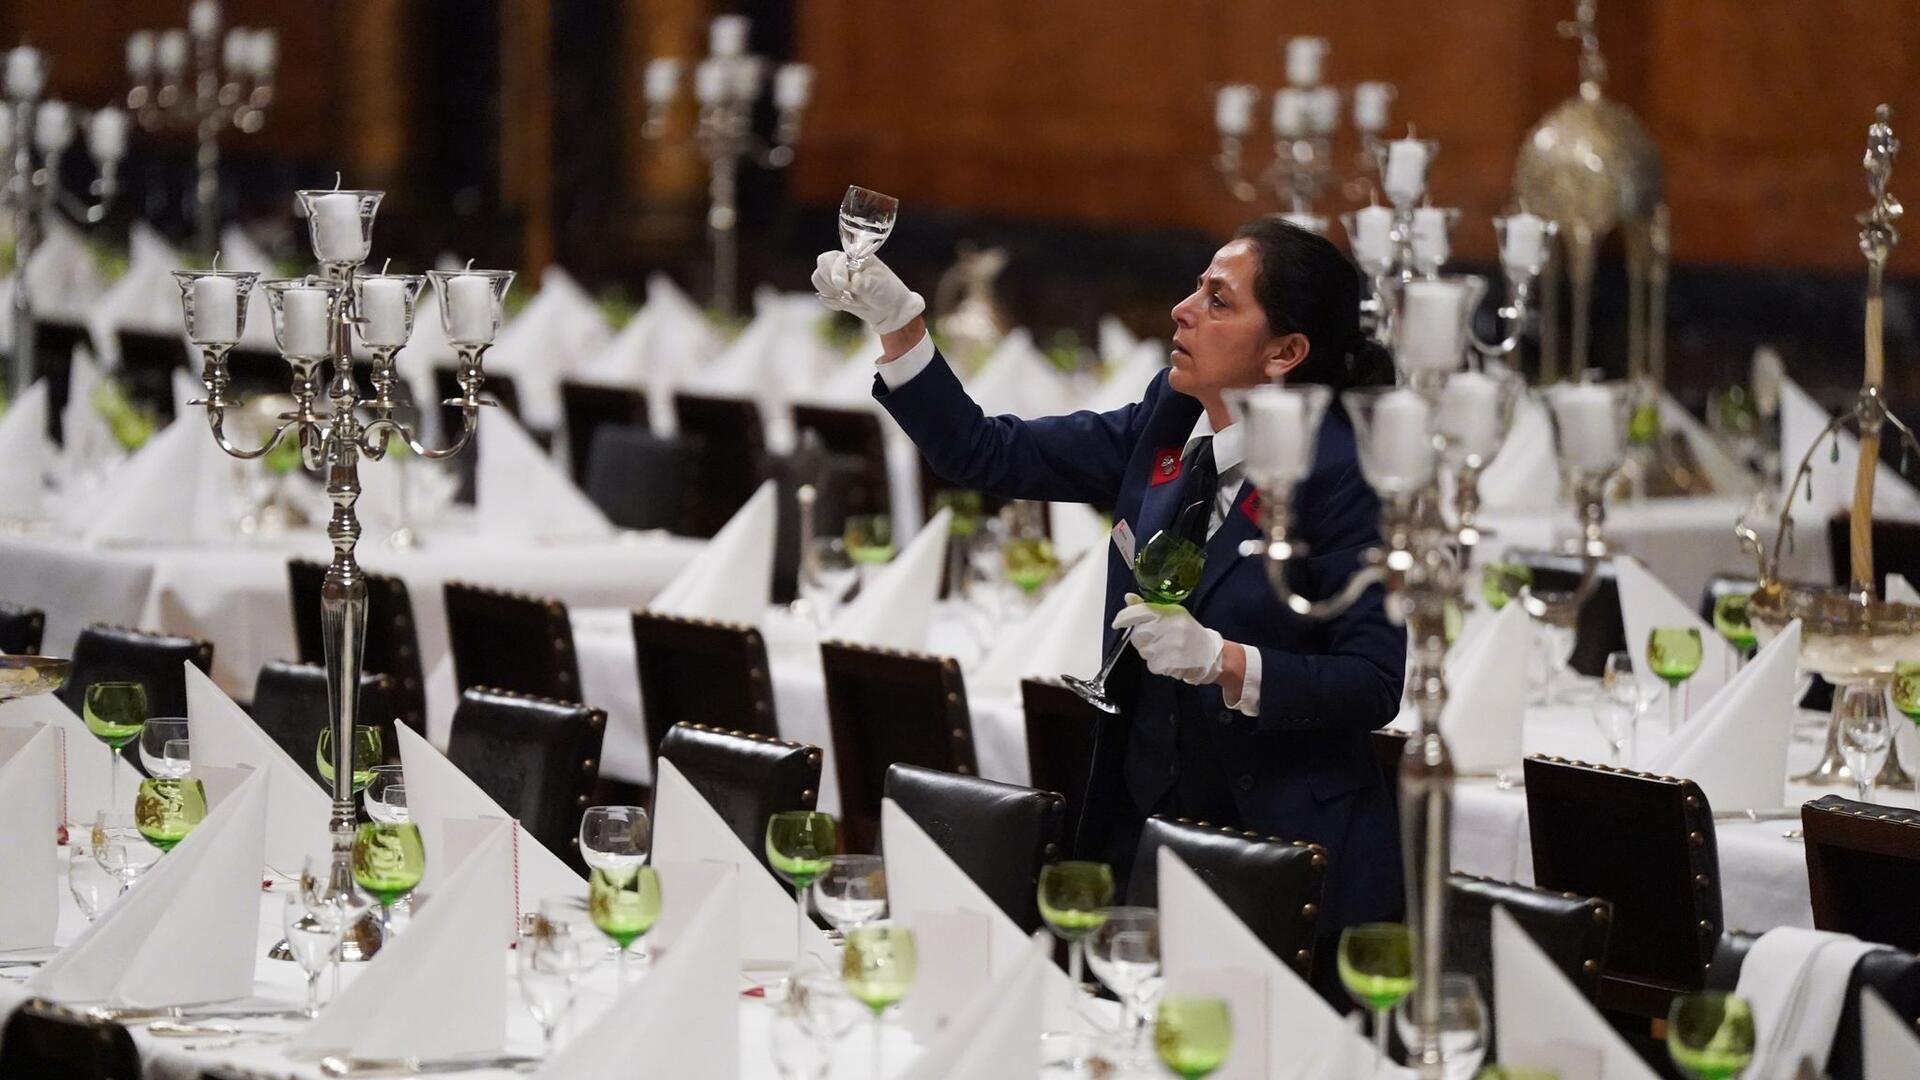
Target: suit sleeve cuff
1249 703
901 370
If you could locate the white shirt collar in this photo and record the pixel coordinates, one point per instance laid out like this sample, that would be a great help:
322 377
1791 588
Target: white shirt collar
1227 453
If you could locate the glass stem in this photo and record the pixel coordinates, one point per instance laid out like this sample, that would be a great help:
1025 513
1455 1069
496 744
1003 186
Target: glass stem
313 994
1673 707
113 780
800 926
623 964
1112 658
1379 1039
878 1072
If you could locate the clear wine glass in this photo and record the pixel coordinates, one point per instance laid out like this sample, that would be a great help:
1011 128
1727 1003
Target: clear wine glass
548 961
164 748
852 892
94 887
615 837
1124 953
1463 1026
826 576
386 795
1866 735
1620 683
866 220
311 937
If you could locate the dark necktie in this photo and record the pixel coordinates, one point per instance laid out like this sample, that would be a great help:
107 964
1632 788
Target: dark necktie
1202 786
1198 493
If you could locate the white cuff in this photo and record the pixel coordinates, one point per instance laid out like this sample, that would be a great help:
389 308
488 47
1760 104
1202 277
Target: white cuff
897 372
1249 703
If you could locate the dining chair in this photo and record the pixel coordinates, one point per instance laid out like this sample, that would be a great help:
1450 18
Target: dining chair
1273 885
1859 857
586 408
745 777
154 660
1571 929
21 629
510 641
537 757
1894 974
392 643
41 1039
1001 835
728 442
1077 750
702 671
290 705
886 706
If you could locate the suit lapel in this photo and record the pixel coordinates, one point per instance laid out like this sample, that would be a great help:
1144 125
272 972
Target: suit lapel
1167 434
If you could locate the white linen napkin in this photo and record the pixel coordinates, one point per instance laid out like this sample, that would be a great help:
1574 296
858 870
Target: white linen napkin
1487 695
732 578
24 449
895 606
664 343
1076 527
1018 379
1060 637
437 790
520 492
186 387
63 281
1525 475
224 735
687 829
1114 339
29 844
440 989
1127 376
683 1019
187 931
86 442
146 297
1645 602
1802 419
1888 1048
86 785
1542 1021
179 488
559 330
998 1034
1282 1028
1796 981
1735 746
1900 591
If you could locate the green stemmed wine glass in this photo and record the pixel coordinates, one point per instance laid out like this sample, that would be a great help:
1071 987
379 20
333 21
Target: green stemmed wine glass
1674 653
1730 618
1376 967
878 970
1167 571
869 538
167 808
369 752
1502 581
1193 1035
624 903
1030 562
388 861
1074 897
1906 689
1710 1035
115 712
800 847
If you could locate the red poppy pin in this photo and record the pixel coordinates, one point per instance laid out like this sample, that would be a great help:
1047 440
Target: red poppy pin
1250 506
1166 466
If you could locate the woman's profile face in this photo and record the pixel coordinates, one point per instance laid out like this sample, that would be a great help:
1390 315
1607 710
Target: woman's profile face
1220 337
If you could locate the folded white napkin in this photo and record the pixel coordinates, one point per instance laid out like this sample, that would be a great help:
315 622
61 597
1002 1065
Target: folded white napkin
1735 746
187 931
1900 591
1645 602
146 297
1018 379
179 488
1801 422
29 845
664 343
732 577
224 735
63 281
1486 694
998 1034
1543 1022
85 783
1281 1027
440 988
1114 339
687 829
894 607
437 790
1127 377
1796 981
23 446
520 492
1076 527
560 329
1060 637
86 442
1525 475
683 1019
1888 1048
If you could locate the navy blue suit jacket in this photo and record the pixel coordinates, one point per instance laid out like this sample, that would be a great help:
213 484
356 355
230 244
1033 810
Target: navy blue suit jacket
1303 769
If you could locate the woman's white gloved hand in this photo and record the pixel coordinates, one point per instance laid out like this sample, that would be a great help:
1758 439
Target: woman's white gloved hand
875 295
1172 641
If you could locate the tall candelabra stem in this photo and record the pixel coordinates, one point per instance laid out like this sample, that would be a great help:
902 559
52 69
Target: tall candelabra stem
723 219
1426 818
20 192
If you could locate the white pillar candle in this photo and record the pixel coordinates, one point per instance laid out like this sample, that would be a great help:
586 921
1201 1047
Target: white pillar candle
1370 101
1523 243
1303 60
52 126
1406 175
743 77
727 36
1470 413
793 86
305 329
26 73
662 80
140 55
171 52
203 18
1323 110
1430 244
1589 426
1233 109
216 311
1372 237
266 53
470 310
1276 441
383 304
107 135
237 54
1290 112
1427 327
337 236
710 82
1402 441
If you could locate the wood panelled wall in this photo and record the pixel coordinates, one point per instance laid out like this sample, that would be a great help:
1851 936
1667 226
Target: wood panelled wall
1100 110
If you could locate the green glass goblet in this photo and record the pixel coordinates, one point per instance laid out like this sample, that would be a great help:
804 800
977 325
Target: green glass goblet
878 969
115 712
624 902
167 808
388 861
1376 967
1167 571
1710 1035
1674 654
1730 619
1193 1035
800 847
369 752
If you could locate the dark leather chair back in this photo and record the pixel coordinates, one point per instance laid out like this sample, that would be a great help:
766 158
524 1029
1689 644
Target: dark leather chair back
1000 834
1645 843
537 757
1892 973
1077 750
587 407
1571 929
1859 856
116 654
704 672
45 1040
638 479
1896 549
1273 885
834 478
21 629
290 705
392 646
511 641
852 434
746 778
1598 629
53 345
147 360
728 442
884 707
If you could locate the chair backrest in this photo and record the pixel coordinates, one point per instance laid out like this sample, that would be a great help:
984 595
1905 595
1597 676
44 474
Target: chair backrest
392 644
702 671
1000 834
587 407
1599 628
53 345
1072 748
1896 550
511 641
537 757
638 479
1273 885
1571 929
105 653
727 441
833 477
290 705
147 360
855 434
746 778
1645 843
21 629
1860 857
886 706
1894 974
41 1039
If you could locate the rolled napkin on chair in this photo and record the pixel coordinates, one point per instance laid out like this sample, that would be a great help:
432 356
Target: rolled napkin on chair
520 492
895 606
1542 1021
1735 746
1646 603
224 735
29 844
997 1035
1060 637
1888 1048
1487 695
731 580
1796 980
28 457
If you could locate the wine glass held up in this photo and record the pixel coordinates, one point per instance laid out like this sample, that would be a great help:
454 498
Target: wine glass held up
866 220
1166 571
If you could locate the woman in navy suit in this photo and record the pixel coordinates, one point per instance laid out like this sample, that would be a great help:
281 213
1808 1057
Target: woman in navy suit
1237 711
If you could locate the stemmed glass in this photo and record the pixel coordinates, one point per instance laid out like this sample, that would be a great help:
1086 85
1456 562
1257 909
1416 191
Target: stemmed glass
1167 571
827 574
1906 689
869 541
1028 553
866 220
800 848
1074 897
815 1014
1376 967
1730 619
169 803
1710 1034
158 754
878 969
1620 685
120 848
115 712
94 887
384 783
1193 1035
1500 582
615 837
852 892
334 904
1463 1026
311 935
549 960
1125 954
388 858
624 902
1674 653
368 753
1865 734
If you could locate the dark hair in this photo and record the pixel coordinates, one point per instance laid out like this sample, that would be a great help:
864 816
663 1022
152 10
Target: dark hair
1306 286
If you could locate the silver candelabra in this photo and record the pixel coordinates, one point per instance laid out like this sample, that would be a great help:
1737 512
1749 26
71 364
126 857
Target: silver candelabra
194 78
33 190
728 85
313 318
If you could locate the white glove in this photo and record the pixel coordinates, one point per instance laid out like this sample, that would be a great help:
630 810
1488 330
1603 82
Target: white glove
1172 641
877 296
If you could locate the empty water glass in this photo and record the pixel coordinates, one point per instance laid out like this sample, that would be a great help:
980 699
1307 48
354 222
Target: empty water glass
799 1053
164 748
94 887
312 935
549 962
386 795
853 891
1125 955
1463 1026
1865 734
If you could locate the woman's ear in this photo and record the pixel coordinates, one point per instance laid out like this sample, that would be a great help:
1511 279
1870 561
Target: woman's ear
1287 352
